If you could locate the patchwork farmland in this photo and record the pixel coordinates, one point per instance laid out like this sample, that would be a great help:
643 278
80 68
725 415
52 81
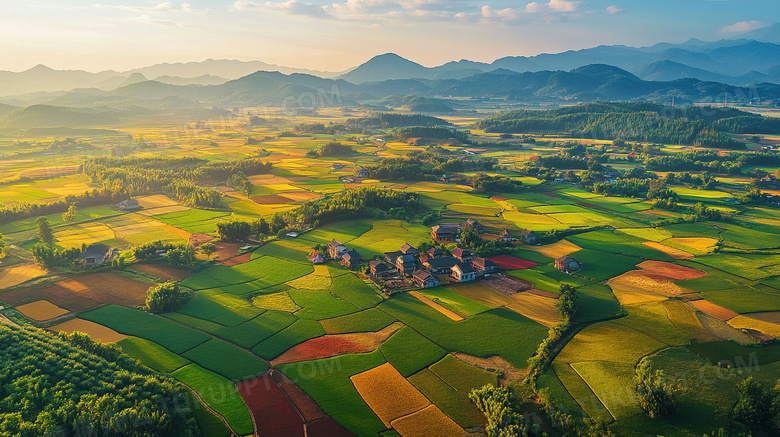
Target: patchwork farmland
374 305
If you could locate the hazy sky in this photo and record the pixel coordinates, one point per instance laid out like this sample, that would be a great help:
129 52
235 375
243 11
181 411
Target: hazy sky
338 34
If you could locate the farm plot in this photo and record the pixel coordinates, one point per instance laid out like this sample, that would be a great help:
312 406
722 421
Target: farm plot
276 301
651 234
96 332
222 308
18 274
608 341
540 309
671 251
283 340
453 301
579 391
226 360
619 243
409 352
219 394
768 322
685 319
352 289
152 355
382 387
372 319
170 335
291 250
163 272
509 262
273 412
556 250
594 265
336 394
697 245
443 310
110 288
520 339
428 422
595 302
387 236
344 232
61 297
479 210
252 332
203 325
714 310
317 305
194 220
612 383
41 310
318 280
72 236
257 274
337 344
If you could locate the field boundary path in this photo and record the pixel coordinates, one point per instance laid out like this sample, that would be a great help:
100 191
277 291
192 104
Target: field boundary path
203 403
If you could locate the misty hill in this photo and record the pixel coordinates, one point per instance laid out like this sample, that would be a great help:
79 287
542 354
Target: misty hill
56 116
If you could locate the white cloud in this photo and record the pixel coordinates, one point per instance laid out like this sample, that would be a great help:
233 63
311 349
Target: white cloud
290 7
613 10
564 5
744 26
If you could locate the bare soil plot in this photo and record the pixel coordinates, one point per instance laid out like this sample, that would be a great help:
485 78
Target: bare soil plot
15 275
155 201
556 250
236 260
41 310
273 412
507 285
714 310
60 296
511 373
96 331
162 271
271 199
537 308
389 394
48 172
197 239
305 405
109 288
450 314
338 344
671 251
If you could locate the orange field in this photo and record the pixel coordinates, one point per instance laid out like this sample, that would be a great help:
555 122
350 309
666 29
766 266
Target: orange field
388 393
428 422
41 310
556 250
15 275
109 288
97 332
537 308
714 310
671 251
332 345
699 244
164 272
669 270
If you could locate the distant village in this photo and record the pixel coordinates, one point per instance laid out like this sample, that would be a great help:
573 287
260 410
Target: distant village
432 267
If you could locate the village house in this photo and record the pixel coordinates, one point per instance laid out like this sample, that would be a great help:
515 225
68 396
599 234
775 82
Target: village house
434 252
351 259
567 264
378 268
316 258
528 236
408 249
336 250
405 264
463 255
463 272
505 236
96 255
423 279
442 233
129 205
476 225
484 265
440 266
360 172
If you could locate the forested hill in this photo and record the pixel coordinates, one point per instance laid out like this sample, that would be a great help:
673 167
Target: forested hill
702 126
67 385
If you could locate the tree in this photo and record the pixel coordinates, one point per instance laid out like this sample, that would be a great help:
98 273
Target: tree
70 215
261 227
45 234
234 230
3 247
207 249
164 297
499 410
656 395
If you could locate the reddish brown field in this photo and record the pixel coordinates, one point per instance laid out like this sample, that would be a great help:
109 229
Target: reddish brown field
669 270
332 345
512 262
275 415
164 272
109 288
198 239
270 199
714 310
236 260
326 427
59 296
305 405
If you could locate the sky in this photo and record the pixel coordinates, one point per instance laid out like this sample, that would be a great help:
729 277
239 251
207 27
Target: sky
335 35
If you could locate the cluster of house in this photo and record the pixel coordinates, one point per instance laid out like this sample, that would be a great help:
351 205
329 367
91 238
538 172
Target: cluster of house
339 252
426 267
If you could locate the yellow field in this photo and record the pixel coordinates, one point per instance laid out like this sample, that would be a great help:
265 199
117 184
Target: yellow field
388 393
671 251
608 341
155 201
162 210
15 275
41 310
628 294
436 306
276 302
75 235
700 244
68 189
556 250
97 332
768 323
318 280
636 279
483 294
685 319
428 422
524 217
535 307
